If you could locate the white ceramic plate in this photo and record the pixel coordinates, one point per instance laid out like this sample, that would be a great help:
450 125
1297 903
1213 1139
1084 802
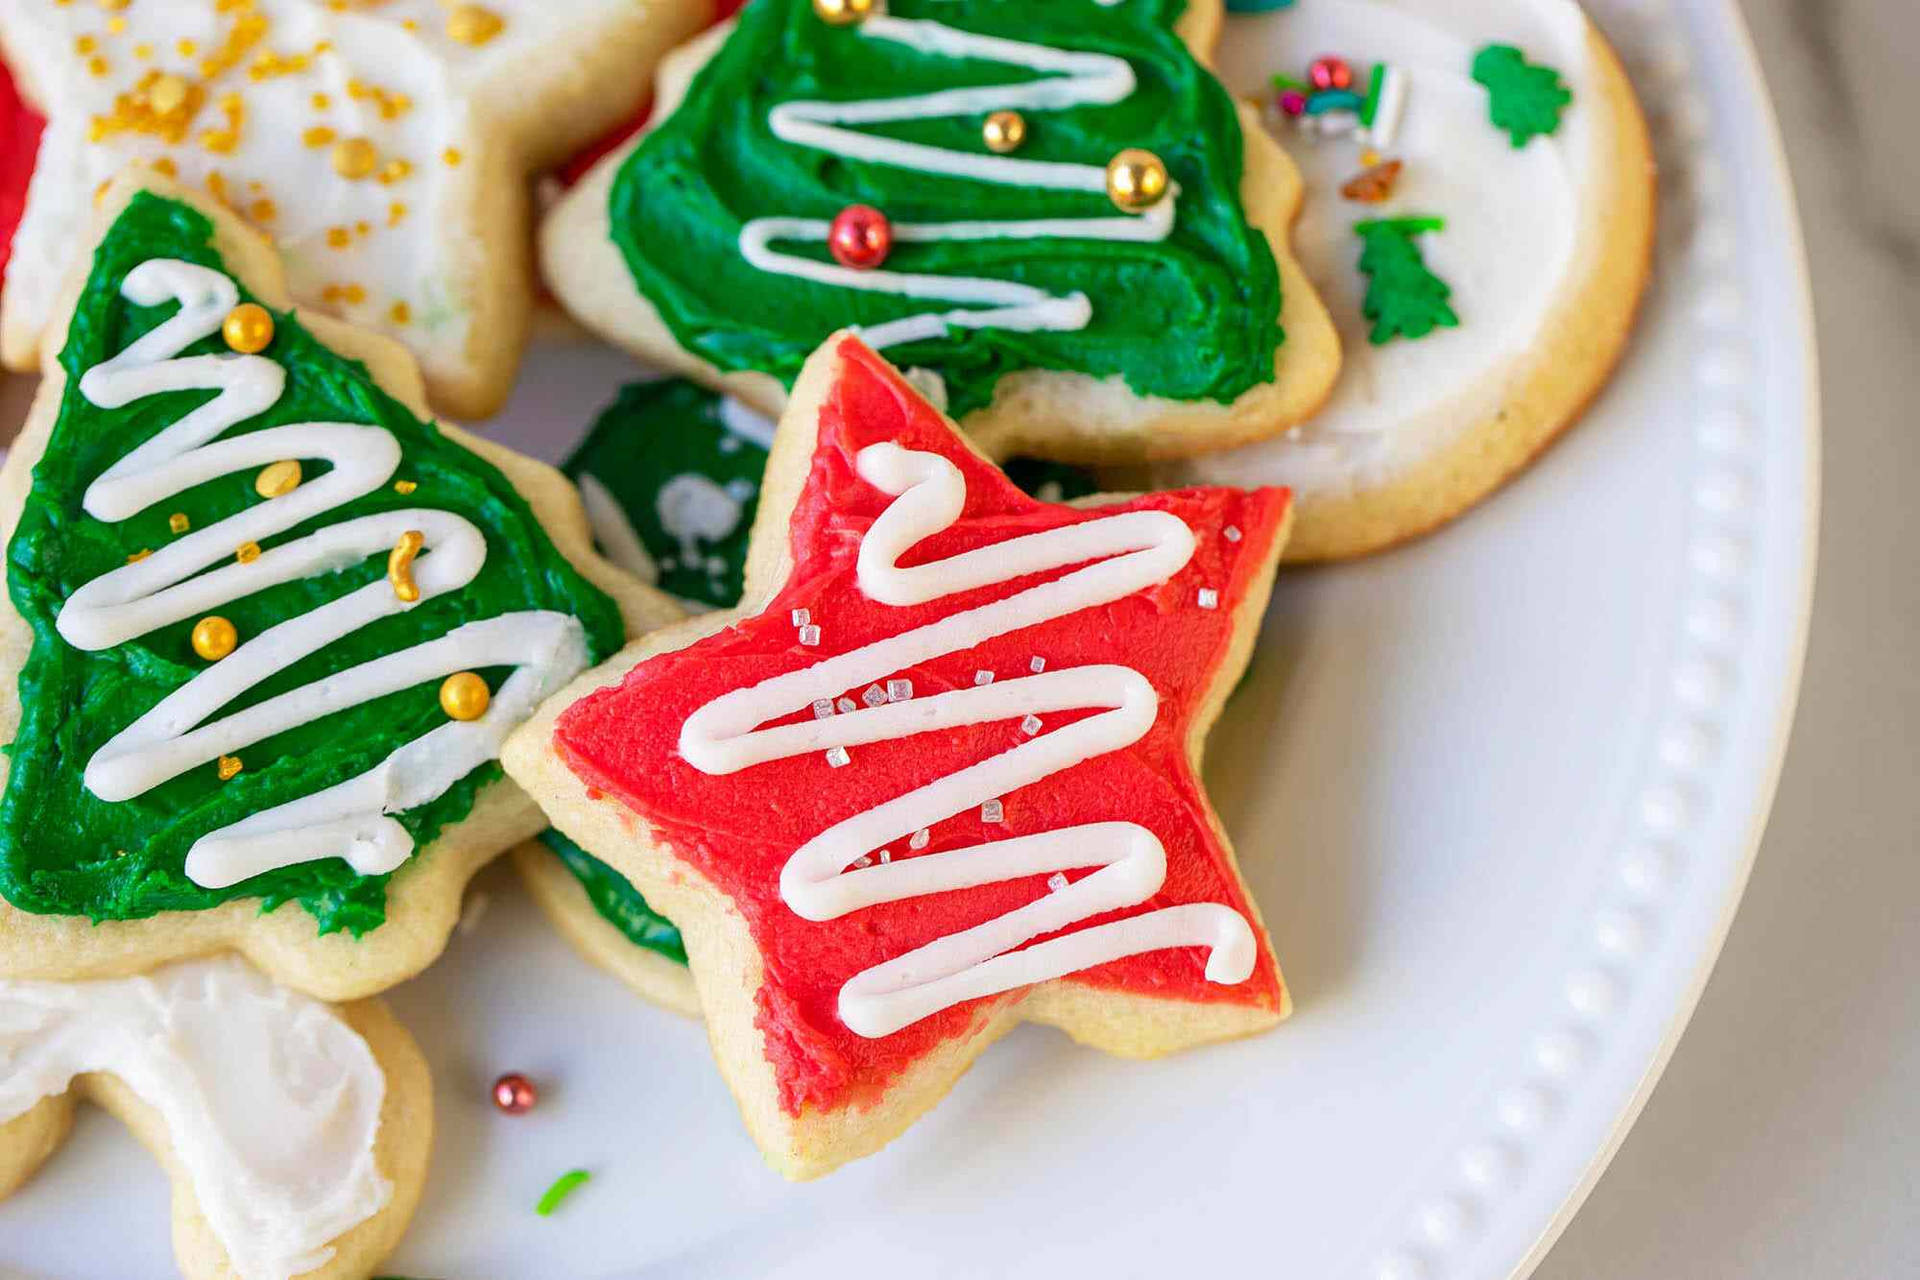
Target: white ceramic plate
1497 794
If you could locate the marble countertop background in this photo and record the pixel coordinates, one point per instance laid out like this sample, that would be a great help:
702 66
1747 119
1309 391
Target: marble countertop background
1784 1141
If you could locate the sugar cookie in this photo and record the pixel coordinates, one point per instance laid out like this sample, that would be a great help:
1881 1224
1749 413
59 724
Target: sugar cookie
864 791
215 718
944 175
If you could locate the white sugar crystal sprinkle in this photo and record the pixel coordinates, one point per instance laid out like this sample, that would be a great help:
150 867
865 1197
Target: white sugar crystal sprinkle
837 756
1208 598
1037 665
847 704
918 840
992 811
862 861
874 695
1030 726
886 856
982 677
809 634
1232 532
1056 882
822 708
899 690
801 617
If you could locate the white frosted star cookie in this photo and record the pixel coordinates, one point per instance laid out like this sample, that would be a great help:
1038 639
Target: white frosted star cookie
1484 263
296 1134
386 148
266 644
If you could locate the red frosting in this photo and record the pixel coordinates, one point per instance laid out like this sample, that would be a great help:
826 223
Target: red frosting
739 829
19 144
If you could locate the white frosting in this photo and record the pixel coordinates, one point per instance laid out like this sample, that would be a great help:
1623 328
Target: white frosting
180 581
1073 79
270 1100
1519 225
695 509
745 421
425 259
1118 555
614 533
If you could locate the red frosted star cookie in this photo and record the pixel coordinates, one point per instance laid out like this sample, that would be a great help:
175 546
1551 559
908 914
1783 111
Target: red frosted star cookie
937 774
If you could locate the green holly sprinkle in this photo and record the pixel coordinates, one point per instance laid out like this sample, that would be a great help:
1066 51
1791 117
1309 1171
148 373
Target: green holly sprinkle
563 1186
1404 299
1523 99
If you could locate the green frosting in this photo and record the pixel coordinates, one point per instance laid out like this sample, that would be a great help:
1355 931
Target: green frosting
1194 317
1404 298
65 852
617 901
1524 99
660 435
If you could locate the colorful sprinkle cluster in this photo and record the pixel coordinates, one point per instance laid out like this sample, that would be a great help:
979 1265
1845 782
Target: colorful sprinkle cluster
1330 100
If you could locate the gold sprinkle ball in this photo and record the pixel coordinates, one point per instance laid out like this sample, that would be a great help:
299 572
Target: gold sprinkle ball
473 24
1004 131
248 328
278 479
228 767
178 522
843 13
464 696
139 555
247 552
168 93
400 565
1136 180
214 637
355 157
404 487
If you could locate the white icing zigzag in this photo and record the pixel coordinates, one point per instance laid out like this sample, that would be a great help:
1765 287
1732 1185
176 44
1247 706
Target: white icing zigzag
1120 554
1077 79
348 820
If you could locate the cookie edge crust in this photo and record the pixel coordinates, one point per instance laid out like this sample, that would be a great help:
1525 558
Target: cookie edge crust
565 904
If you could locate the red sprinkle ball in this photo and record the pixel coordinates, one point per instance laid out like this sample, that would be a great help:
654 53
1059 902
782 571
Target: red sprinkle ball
861 237
1293 102
514 1094
1330 73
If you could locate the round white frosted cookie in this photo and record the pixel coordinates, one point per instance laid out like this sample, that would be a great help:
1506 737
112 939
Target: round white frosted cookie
1545 249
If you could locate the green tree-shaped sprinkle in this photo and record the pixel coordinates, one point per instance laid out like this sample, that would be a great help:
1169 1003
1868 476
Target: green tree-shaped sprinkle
1523 99
1404 299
